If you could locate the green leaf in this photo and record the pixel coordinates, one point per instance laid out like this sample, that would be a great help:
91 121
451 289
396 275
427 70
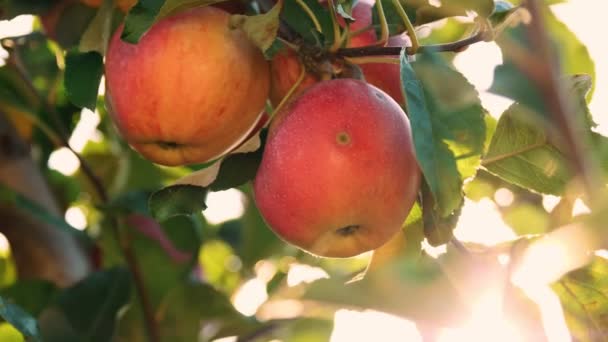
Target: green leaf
88 310
177 200
261 29
584 297
456 111
38 59
509 80
214 256
448 126
166 253
438 230
98 32
258 241
297 19
190 303
393 19
31 294
482 7
147 12
422 12
521 154
502 10
436 160
72 22
305 330
83 71
512 82
429 291
239 168
21 320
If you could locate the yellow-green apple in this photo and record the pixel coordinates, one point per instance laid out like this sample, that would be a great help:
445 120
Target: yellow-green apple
338 175
191 90
286 67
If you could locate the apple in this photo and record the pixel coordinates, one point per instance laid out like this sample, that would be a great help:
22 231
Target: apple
338 175
191 90
286 67
385 76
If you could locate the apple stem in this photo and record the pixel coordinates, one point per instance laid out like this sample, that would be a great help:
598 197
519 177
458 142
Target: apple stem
411 32
310 14
334 23
383 25
289 93
289 44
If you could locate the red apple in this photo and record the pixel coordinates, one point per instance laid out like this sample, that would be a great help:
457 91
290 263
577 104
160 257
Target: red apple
338 175
285 66
385 76
191 90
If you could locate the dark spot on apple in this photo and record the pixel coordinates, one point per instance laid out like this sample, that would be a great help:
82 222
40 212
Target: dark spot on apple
168 145
343 138
379 96
348 230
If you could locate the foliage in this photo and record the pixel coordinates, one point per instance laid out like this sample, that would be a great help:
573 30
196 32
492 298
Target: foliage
160 271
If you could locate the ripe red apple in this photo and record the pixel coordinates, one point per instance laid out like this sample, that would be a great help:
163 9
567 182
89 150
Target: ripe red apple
191 90
285 66
385 76
338 175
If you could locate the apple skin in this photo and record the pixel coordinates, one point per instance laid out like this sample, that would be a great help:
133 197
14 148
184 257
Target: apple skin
338 175
385 76
285 66
191 90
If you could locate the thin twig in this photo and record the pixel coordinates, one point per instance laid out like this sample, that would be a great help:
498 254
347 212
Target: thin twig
390 51
125 245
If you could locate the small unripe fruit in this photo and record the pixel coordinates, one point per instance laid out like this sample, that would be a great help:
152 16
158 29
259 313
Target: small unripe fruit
338 175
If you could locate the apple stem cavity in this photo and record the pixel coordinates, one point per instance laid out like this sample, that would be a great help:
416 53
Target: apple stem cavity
168 145
348 230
